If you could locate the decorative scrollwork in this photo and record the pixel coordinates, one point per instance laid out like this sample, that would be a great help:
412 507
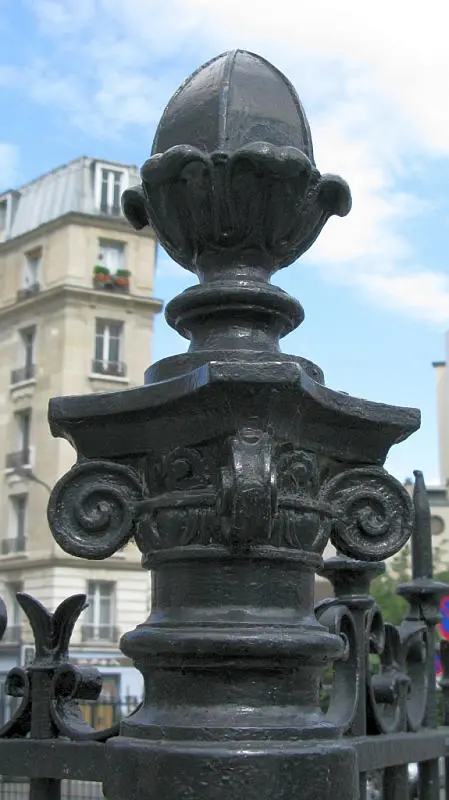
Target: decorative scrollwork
297 472
372 513
414 658
185 468
56 698
397 693
386 689
71 684
346 687
247 500
302 520
180 508
93 508
224 196
17 685
265 493
52 632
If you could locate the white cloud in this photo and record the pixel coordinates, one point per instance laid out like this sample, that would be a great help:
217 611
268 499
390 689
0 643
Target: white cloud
374 78
425 295
395 51
61 18
9 165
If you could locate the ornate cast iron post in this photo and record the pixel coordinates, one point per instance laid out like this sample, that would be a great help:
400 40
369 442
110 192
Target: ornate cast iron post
233 465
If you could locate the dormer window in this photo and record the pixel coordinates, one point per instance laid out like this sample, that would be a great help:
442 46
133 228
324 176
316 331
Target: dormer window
3 214
110 183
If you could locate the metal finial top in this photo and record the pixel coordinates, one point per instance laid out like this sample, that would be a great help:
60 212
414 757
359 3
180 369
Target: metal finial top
234 100
233 193
232 179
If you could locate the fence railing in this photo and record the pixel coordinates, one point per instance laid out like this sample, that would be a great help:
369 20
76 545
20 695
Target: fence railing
232 468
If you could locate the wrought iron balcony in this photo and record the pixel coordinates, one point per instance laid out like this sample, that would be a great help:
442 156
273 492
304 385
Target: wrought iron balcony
29 291
14 544
111 285
112 282
113 368
19 459
111 211
26 373
100 633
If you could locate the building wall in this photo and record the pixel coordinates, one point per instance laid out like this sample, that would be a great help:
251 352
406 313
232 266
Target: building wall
70 250
65 312
442 398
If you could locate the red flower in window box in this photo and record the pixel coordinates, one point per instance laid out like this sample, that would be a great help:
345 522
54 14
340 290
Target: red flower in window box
121 278
101 274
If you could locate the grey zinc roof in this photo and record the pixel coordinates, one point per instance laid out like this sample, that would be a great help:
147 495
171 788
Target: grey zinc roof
68 188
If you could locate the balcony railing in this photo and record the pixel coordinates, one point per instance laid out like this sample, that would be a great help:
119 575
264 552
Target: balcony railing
113 368
111 211
25 373
15 544
29 291
111 285
100 633
19 459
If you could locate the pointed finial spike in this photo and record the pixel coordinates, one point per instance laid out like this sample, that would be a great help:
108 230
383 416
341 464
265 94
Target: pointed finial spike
421 538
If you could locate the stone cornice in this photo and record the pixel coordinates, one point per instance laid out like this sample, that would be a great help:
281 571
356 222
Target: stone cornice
65 292
75 218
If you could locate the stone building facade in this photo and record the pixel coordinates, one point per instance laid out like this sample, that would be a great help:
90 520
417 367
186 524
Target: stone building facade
76 316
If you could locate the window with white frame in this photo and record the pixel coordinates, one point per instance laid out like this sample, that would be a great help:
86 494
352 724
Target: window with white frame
111 255
26 366
27 344
110 183
108 347
32 268
100 615
18 519
23 432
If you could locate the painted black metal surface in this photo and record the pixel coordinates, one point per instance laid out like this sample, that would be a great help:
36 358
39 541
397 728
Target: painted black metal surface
232 468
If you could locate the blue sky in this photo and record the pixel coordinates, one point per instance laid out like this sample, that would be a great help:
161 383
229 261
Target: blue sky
91 77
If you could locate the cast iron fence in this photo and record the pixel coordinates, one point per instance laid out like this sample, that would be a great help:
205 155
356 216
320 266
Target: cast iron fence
98 713
232 468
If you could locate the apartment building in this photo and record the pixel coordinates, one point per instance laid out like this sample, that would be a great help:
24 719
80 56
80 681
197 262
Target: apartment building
439 495
76 316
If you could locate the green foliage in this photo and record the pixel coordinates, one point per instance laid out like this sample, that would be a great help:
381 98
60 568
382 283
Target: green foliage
123 273
393 607
100 270
383 588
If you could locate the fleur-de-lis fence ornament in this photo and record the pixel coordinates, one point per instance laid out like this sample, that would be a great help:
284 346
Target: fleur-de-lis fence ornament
49 688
